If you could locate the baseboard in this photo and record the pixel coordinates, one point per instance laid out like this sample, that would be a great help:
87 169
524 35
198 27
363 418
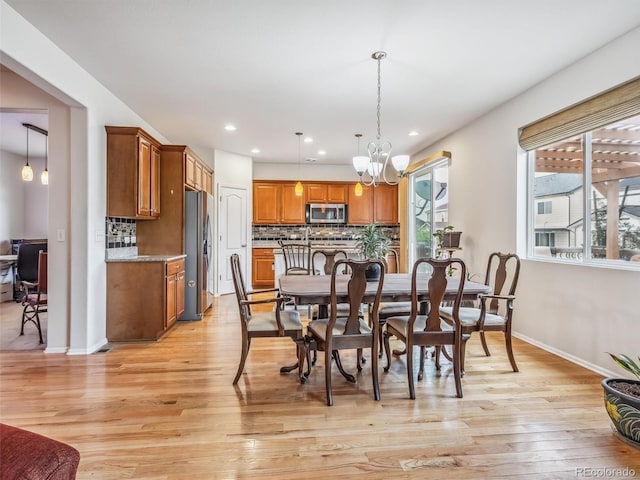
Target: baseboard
573 359
89 350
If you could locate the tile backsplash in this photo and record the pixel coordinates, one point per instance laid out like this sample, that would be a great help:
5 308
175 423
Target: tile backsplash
120 232
334 232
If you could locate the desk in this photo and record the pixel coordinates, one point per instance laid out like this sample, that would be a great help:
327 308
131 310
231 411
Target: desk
9 262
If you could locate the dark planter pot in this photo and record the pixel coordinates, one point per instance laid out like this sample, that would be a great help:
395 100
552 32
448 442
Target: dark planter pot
451 240
623 410
372 273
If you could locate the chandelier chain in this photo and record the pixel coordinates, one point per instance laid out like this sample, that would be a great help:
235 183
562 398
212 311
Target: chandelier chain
379 98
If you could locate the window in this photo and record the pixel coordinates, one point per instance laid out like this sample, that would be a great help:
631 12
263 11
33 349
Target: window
585 180
545 239
544 207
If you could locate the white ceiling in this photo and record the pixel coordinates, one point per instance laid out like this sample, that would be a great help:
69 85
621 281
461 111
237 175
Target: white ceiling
272 68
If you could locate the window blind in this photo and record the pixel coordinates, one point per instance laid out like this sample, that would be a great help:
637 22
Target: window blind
603 109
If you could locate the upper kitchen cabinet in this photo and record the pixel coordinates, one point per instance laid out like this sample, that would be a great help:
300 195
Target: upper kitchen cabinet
292 207
276 202
133 173
376 204
198 176
385 204
266 202
360 208
326 193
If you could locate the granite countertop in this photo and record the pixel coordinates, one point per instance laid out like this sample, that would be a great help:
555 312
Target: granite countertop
146 258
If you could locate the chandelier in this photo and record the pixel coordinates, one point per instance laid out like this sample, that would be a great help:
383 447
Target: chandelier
374 166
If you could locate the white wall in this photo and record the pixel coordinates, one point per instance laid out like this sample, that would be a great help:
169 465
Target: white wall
79 108
308 171
579 312
233 170
12 197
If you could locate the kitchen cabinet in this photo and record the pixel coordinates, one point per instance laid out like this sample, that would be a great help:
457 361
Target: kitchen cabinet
144 298
276 202
174 291
385 204
377 204
133 173
359 209
197 175
263 261
166 234
326 192
266 203
207 180
292 207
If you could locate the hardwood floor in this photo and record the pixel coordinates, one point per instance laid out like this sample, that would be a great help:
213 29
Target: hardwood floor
167 410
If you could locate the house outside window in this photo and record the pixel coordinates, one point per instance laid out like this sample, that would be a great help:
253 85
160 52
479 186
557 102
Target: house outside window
584 193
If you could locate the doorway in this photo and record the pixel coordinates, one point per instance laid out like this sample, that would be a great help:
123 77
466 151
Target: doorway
24 210
232 233
428 207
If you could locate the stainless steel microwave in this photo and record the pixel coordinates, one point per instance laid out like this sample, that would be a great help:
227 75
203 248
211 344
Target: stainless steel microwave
326 213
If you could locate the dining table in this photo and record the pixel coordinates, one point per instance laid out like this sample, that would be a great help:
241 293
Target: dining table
396 287
316 289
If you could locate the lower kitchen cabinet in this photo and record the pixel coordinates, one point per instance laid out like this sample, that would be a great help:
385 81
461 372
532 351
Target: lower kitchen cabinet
144 298
174 291
263 268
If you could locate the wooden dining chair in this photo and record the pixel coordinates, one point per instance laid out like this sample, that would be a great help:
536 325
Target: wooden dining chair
391 309
416 330
350 331
494 312
297 258
274 323
34 297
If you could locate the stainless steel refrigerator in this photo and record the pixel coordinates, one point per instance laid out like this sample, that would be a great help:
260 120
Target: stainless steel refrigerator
198 240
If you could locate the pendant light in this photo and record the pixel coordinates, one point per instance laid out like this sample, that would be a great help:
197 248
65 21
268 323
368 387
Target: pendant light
44 177
27 171
299 189
358 189
375 164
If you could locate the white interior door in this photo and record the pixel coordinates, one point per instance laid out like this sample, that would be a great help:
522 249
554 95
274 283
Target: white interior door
232 230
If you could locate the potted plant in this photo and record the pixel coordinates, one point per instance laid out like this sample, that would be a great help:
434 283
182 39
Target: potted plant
371 244
447 237
622 400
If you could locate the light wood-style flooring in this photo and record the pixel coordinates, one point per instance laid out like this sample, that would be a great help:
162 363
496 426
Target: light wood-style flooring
167 410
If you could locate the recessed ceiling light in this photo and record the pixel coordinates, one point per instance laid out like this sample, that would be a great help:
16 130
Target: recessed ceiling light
230 128
255 150
308 140
413 133
321 152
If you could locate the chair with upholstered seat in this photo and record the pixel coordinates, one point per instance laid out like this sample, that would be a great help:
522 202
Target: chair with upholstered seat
349 332
274 323
495 311
34 297
416 330
297 258
392 309
297 261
